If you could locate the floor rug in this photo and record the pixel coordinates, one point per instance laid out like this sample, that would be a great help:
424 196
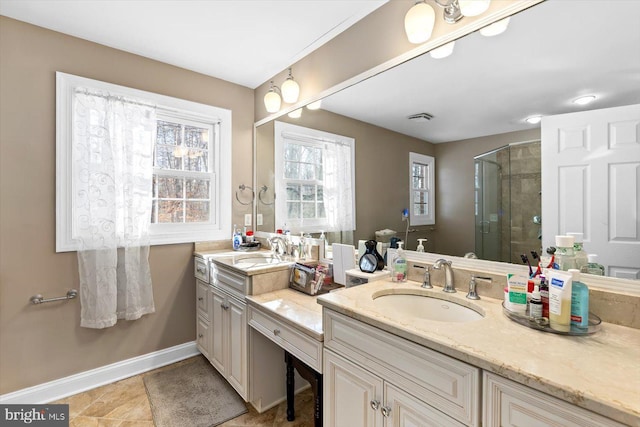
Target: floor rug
192 394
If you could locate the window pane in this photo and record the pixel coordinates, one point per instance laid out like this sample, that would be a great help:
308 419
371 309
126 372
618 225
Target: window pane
308 210
291 170
321 212
310 154
293 192
197 188
320 193
170 211
168 187
292 152
307 171
420 203
196 137
168 157
154 209
197 211
168 133
196 160
308 192
293 210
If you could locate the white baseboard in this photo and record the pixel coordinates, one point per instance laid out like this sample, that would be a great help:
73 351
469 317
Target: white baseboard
74 384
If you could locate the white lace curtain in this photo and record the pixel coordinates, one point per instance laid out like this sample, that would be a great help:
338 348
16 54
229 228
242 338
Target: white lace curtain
112 191
338 187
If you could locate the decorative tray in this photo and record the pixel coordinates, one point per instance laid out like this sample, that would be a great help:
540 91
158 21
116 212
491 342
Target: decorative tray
542 323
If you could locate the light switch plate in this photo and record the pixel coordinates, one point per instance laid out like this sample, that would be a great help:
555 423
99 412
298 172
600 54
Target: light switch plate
259 219
247 220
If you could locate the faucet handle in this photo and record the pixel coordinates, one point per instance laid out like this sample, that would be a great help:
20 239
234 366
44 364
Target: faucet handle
426 281
472 286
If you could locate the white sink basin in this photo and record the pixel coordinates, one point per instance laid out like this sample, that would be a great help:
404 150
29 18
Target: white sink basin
425 307
257 259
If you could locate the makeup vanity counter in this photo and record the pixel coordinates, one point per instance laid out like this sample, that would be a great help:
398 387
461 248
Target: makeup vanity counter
599 372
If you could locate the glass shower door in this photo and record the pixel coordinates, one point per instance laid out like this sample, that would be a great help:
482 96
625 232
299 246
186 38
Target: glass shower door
492 222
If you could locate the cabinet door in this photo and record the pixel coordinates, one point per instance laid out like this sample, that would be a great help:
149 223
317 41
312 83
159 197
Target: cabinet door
401 409
203 337
218 327
352 396
202 299
237 331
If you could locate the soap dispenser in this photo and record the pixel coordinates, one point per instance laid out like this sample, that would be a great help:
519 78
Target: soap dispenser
420 247
399 271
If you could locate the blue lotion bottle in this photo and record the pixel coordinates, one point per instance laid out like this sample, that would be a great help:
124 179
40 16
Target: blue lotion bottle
579 301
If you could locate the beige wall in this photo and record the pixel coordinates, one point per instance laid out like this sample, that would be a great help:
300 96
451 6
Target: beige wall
43 343
382 170
455 233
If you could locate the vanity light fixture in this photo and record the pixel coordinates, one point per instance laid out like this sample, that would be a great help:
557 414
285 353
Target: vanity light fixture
419 22
495 28
584 100
451 13
534 120
442 51
272 100
315 105
295 114
473 7
290 90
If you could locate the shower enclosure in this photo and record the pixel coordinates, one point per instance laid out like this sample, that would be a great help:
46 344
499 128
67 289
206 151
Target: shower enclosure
507 198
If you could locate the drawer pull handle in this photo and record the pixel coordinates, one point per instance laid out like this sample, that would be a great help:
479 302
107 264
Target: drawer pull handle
200 298
276 332
224 306
200 335
375 404
201 270
386 411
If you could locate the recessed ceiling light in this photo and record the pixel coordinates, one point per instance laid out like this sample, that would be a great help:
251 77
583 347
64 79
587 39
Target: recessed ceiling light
533 119
584 100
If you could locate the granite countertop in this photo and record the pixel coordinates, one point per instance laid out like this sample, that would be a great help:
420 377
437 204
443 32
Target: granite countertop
599 372
233 260
296 309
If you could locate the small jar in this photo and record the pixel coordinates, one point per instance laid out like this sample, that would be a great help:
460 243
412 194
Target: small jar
249 236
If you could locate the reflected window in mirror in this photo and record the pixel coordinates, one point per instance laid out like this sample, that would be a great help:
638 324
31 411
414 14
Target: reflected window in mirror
314 173
422 192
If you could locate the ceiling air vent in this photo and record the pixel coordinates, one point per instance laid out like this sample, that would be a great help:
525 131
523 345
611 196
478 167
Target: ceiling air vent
420 117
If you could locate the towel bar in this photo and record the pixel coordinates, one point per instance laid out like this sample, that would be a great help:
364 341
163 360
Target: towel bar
39 299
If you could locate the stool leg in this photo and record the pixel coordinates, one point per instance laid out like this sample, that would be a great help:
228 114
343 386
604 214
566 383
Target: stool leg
317 392
290 387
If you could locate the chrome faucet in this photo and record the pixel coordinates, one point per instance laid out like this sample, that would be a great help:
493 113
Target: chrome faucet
448 274
472 286
278 245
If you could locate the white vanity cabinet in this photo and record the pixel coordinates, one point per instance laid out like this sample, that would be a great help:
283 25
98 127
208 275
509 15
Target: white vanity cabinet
374 378
203 323
509 404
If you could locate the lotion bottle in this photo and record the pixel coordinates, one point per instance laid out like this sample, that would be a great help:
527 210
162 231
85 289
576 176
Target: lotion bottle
560 300
399 272
579 301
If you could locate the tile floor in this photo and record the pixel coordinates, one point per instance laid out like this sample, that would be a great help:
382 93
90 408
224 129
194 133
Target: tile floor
125 404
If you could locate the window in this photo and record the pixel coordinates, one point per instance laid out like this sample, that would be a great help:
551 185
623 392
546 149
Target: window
191 166
314 173
421 193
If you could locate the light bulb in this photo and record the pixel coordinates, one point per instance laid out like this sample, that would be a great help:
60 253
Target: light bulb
272 100
418 22
473 7
495 28
290 91
296 114
443 51
533 119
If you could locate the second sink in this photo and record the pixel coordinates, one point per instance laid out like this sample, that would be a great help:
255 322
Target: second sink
425 307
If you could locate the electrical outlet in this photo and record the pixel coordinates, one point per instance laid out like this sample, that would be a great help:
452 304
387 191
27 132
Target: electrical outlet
259 219
247 220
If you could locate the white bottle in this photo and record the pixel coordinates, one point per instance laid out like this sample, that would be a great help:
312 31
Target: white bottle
560 300
399 266
579 254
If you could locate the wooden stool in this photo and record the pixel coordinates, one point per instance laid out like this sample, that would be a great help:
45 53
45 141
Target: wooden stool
314 378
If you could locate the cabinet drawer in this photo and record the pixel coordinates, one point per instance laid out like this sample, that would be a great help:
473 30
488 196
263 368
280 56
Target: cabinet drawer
203 339
303 347
202 299
445 383
230 281
507 403
201 269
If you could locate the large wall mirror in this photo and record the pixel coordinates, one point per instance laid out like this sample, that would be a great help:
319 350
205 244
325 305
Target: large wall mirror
475 102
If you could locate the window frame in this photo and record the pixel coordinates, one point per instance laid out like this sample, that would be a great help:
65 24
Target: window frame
314 138
430 217
220 163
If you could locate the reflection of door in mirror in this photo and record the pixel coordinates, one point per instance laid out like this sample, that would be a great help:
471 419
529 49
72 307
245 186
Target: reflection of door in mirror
507 198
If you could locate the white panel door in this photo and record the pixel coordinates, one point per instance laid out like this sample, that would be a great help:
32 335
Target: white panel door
404 410
237 362
591 184
352 396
